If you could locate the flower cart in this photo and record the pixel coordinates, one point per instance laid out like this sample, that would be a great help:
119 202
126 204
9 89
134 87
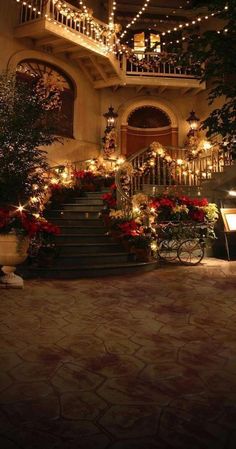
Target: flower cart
183 241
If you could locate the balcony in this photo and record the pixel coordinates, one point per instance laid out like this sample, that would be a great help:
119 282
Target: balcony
87 42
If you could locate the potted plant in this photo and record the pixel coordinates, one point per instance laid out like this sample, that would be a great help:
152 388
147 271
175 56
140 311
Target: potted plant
140 246
17 228
26 117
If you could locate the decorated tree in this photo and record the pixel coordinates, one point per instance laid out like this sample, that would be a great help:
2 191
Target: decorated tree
25 127
215 50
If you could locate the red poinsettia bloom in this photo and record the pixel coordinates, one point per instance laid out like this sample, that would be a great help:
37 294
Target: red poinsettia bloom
154 204
166 202
4 218
83 174
197 215
109 199
129 228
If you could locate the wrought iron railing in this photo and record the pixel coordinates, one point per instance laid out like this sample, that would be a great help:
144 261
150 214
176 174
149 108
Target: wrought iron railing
142 173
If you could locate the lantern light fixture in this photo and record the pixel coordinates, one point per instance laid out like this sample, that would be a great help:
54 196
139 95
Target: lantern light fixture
110 117
193 121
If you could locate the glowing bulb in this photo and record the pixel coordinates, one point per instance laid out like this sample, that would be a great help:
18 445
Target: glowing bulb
20 208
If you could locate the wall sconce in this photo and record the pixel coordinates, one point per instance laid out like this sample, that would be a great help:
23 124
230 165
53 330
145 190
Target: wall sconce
193 122
110 117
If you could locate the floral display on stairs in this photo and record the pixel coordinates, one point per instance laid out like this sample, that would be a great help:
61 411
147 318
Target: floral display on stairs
143 227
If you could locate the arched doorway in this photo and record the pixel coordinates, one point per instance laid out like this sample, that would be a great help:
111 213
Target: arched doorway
144 123
29 69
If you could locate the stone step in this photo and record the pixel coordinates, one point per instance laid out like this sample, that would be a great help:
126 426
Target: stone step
81 207
63 220
92 259
71 213
99 193
78 272
82 238
71 229
88 202
91 248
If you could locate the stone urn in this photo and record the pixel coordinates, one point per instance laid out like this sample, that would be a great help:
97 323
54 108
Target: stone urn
13 251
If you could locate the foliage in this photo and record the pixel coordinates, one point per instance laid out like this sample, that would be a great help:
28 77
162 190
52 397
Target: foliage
24 129
87 180
183 208
24 223
216 51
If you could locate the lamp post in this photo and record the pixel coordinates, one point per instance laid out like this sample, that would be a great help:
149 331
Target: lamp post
193 123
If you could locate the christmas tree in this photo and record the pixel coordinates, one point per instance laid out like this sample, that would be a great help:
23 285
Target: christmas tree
27 112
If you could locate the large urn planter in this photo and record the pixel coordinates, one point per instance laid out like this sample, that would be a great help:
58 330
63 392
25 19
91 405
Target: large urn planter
13 251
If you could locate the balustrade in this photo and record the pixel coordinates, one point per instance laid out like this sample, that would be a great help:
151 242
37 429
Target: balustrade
145 173
157 64
68 17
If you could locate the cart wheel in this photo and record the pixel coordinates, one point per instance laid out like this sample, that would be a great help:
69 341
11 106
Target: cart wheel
190 252
168 250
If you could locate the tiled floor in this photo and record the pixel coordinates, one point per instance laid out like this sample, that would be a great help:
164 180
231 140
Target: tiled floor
140 362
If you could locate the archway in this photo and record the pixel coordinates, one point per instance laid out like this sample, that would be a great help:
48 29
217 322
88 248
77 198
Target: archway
29 69
145 122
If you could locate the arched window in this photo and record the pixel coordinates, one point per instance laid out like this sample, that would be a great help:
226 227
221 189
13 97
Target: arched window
148 117
34 69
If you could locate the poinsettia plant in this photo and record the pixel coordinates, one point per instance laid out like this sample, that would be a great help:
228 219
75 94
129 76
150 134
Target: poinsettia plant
183 208
25 224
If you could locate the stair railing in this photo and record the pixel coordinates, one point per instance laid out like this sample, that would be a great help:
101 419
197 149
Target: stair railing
147 174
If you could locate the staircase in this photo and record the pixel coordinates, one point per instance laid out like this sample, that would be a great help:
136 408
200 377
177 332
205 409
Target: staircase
84 248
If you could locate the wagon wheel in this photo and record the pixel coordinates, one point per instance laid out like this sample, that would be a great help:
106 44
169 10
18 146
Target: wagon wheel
190 252
168 250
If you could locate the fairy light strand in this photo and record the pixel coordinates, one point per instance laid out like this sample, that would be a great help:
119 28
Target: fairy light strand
96 28
137 17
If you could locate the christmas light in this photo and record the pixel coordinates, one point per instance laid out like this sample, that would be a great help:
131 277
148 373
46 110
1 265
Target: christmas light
137 17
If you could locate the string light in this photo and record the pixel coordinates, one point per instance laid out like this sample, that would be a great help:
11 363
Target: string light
112 14
77 16
137 17
98 30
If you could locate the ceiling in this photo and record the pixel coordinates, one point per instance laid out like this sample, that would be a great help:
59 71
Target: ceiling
164 12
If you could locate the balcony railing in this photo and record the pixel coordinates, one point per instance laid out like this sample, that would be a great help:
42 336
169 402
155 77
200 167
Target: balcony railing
158 64
97 36
68 17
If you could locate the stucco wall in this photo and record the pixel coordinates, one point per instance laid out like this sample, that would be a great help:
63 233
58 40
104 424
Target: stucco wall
90 104
86 142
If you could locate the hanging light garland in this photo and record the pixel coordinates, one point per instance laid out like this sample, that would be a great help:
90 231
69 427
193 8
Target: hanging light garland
112 15
84 14
76 15
137 17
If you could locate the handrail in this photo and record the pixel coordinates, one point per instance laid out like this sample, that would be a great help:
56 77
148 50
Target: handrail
163 171
157 64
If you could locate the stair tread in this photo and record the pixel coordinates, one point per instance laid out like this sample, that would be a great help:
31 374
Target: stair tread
96 266
63 256
83 235
88 244
81 227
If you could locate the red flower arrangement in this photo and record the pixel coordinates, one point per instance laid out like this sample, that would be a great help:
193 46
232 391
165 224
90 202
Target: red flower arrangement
130 229
109 200
25 223
179 208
